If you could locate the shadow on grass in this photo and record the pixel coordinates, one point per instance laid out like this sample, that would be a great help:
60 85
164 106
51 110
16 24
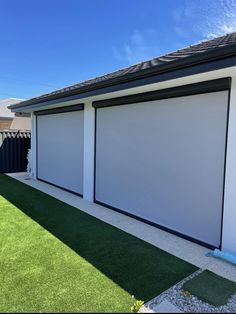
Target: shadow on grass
138 267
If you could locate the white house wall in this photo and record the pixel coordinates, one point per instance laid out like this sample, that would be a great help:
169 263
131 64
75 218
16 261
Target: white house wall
89 139
229 218
229 221
33 145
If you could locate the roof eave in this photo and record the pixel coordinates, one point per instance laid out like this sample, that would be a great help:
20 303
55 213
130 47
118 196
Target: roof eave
204 57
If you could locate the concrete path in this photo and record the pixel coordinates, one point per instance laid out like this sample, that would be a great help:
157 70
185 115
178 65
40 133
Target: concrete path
163 307
166 307
186 250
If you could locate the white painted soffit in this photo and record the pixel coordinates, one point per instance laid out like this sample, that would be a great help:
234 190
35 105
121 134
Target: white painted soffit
211 75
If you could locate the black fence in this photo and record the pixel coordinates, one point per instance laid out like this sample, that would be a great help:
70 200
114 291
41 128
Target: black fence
14 147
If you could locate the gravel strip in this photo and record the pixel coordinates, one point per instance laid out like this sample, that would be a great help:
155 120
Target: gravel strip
188 303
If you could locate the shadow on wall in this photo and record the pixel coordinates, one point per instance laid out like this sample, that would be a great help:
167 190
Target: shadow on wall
13 151
138 267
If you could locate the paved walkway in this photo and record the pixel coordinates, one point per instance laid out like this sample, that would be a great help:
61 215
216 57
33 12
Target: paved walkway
175 245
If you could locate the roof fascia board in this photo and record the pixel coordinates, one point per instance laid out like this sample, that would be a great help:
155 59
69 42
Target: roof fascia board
174 74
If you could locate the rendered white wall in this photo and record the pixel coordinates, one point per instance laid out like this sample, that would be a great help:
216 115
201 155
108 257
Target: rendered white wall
89 137
33 145
229 220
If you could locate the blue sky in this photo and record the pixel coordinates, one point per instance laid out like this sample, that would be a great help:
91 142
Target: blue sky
48 44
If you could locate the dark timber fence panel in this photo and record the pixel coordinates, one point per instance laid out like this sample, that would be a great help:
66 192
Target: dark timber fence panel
14 147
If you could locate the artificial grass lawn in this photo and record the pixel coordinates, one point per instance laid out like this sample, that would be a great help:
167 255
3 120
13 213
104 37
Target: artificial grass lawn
211 288
55 258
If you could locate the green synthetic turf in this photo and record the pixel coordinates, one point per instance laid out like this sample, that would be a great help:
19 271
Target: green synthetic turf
55 258
211 288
